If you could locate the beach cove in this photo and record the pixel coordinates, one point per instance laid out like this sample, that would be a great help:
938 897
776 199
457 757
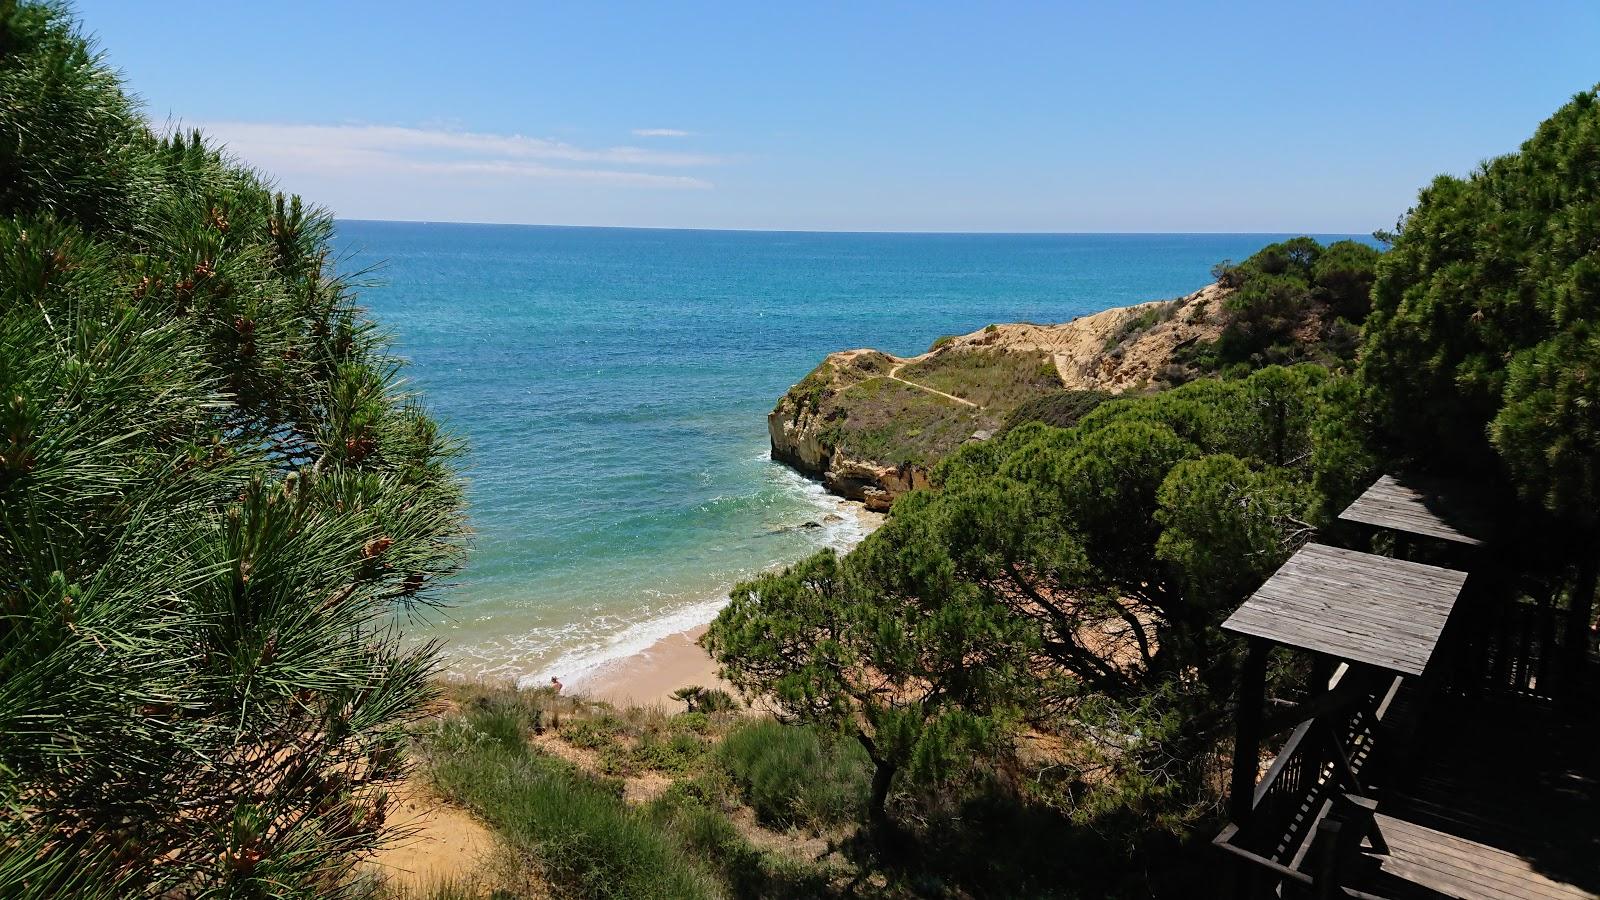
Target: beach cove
612 387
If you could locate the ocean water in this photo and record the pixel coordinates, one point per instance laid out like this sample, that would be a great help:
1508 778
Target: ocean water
613 386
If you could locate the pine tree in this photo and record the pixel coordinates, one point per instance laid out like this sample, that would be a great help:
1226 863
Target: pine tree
216 497
1481 354
1068 578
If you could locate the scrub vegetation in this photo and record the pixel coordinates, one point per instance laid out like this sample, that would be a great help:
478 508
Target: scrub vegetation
217 499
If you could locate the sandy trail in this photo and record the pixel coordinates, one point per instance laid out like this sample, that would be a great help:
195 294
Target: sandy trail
443 841
894 375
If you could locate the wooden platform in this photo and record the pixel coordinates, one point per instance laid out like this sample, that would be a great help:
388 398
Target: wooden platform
1416 506
1424 863
1502 799
1353 606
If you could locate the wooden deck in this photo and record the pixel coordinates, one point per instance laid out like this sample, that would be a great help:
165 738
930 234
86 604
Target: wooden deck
1354 606
1416 506
1451 786
1502 801
1424 863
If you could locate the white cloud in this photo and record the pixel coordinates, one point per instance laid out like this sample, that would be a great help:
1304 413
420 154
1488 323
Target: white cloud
660 132
283 149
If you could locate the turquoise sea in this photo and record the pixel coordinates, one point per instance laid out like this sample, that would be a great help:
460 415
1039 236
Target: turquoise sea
613 386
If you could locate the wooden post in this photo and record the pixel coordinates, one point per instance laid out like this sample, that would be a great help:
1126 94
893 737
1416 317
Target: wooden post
1322 666
1326 845
1247 737
1578 610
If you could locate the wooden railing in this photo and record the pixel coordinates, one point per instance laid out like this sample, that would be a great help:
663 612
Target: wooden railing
1517 643
1524 649
1325 758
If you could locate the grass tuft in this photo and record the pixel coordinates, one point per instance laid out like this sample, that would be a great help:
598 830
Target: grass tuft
794 776
585 839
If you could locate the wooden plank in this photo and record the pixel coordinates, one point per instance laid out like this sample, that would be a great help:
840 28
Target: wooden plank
1417 506
1456 867
1356 606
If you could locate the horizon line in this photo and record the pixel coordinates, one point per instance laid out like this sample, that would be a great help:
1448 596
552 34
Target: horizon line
1038 233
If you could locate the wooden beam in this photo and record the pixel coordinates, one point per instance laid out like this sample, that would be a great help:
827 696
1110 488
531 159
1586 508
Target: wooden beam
1247 736
1347 693
1578 611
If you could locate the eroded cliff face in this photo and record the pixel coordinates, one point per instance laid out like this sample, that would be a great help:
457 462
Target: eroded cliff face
799 441
808 426
871 426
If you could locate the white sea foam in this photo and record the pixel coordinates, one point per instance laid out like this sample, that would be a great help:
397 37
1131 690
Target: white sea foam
592 646
580 664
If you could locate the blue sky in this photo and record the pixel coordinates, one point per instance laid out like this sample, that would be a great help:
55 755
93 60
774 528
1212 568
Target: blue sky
1103 116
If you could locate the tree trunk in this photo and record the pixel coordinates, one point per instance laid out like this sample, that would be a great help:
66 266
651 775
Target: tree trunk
877 809
1578 612
882 777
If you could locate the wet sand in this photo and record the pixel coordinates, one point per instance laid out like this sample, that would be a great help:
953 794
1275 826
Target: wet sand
649 678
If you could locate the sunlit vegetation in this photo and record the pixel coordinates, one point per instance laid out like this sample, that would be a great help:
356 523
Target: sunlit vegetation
986 377
215 496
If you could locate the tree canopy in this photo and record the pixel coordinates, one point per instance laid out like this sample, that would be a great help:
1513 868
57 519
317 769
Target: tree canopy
215 496
1053 565
1483 331
1292 301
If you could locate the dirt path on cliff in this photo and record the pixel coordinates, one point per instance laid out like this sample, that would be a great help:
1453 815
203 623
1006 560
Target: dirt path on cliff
894 375
442 842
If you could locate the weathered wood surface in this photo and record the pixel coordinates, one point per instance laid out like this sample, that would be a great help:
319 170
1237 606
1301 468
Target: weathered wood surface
1416 506
1502 800
1443 865
1354 606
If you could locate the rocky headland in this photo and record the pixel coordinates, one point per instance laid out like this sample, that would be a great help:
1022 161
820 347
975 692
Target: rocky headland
871 425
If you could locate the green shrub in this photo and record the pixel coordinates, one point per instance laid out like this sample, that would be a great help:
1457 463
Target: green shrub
795 776
747 871
705 700
676 753
1286 303
691 723
1062 409
584 837
594 733
505 723
896 424
1135 325
987 377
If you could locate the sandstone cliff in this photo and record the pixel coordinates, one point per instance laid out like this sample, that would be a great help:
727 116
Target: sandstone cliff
872 425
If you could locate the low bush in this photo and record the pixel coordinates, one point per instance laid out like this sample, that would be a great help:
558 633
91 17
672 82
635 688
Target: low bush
506 724
705 700
897 424
691 723
795 776
747 871
584 838
675 753
595 733
1062 409
989 378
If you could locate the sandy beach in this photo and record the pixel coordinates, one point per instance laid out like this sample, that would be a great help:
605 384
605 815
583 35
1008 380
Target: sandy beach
649 678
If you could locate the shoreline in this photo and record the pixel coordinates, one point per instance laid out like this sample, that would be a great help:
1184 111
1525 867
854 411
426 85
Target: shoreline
649 677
